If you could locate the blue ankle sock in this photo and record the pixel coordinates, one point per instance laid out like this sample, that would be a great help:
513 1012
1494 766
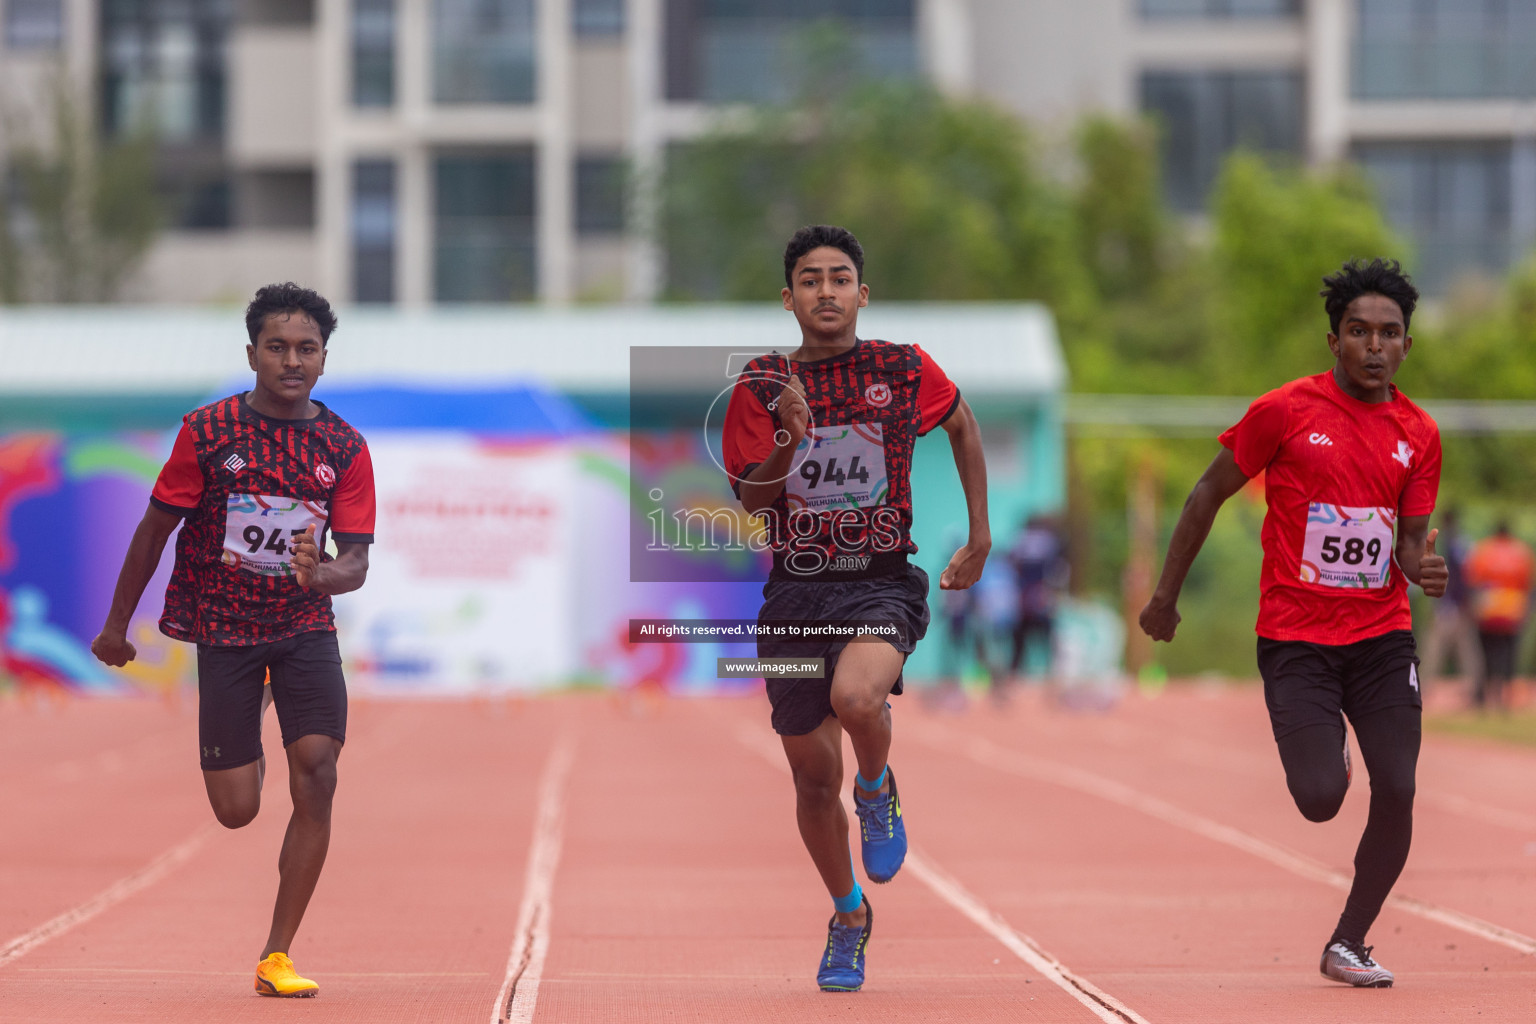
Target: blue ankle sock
848 904
868 786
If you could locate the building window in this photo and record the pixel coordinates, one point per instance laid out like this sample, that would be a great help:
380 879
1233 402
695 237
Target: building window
373 231
34 24
484 231
275 199
163 67
373 53
1444 49
197 200
598 17
1452 199
1153 9
1204 115
754 51
600 195
483 51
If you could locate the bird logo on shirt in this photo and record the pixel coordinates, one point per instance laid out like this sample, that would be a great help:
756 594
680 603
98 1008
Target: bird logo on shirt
1404 453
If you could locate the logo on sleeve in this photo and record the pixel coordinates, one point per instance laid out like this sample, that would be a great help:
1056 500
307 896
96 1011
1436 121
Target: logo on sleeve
878 395
1404 453
325 474
234 463
1320 439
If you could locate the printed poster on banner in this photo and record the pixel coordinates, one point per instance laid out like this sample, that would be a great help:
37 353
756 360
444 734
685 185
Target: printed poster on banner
469 588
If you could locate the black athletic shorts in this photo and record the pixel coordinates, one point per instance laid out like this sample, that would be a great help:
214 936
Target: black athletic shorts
801 705
308 692
1309 684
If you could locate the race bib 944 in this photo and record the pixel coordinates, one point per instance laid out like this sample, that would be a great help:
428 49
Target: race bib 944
840 466
259 529
1347 547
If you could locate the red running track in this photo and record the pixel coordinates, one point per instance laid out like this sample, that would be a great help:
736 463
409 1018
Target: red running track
583 859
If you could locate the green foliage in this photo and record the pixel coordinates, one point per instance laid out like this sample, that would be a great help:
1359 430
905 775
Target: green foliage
943 194
86 216
1276 232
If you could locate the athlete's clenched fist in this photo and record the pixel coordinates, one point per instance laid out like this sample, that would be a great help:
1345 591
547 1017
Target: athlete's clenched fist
1433 572
794 414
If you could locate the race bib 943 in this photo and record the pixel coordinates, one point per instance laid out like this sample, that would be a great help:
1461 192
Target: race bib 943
839 467
1347 547
259 529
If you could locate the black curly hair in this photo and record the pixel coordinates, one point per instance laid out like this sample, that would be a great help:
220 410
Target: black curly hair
289 298
816 236
1357 278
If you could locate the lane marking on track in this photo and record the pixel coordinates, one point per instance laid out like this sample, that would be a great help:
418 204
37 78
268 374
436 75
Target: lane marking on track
519 992
114 894
1100 1003
990 755
1485 813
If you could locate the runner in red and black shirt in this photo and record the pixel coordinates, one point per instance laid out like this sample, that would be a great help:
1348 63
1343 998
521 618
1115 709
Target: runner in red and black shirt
1351 473
258 482
820 442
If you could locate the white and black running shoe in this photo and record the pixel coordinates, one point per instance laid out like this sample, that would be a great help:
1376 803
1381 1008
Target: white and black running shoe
1351 963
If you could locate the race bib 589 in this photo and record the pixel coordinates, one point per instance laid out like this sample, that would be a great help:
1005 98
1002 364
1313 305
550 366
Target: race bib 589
259 530
1347 547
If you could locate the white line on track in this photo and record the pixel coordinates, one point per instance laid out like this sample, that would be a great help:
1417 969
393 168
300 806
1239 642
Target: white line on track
519 992
990 755
114 894
1100 1003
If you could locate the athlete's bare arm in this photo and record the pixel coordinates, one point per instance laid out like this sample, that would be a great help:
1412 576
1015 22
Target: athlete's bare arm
964 568
111 644
1416 555
762 487
1221 480
343 574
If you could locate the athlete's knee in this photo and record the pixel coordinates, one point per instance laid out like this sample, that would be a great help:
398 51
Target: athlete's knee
817 787
234 813
312 771
858 707
1393 793
1318 799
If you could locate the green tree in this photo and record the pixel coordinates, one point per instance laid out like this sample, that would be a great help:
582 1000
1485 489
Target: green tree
1276 232
83 214
944 194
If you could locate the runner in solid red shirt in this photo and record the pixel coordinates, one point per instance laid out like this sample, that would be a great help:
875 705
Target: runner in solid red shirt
1352 470
257 482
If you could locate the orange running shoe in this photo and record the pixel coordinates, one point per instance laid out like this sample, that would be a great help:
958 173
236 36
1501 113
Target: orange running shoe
275 976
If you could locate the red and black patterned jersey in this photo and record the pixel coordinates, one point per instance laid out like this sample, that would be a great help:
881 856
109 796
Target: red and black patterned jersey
846 508
246 484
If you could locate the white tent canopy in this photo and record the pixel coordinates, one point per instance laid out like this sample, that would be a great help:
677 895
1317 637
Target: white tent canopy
996 349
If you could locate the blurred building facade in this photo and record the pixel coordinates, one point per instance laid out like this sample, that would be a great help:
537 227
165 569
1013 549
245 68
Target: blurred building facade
423 151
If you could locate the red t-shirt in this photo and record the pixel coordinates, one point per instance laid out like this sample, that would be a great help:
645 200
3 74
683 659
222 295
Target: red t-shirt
1338 474
245 484
846 509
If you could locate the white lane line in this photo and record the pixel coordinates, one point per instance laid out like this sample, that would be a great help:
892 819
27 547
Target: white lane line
1488 815
114 894
1100 1003
990 755
519 992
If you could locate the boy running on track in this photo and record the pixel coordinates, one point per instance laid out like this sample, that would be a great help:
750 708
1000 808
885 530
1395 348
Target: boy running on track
1346 456
256 480
839 515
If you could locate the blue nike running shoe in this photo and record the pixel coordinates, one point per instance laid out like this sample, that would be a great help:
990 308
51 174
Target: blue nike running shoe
882 833
842 966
